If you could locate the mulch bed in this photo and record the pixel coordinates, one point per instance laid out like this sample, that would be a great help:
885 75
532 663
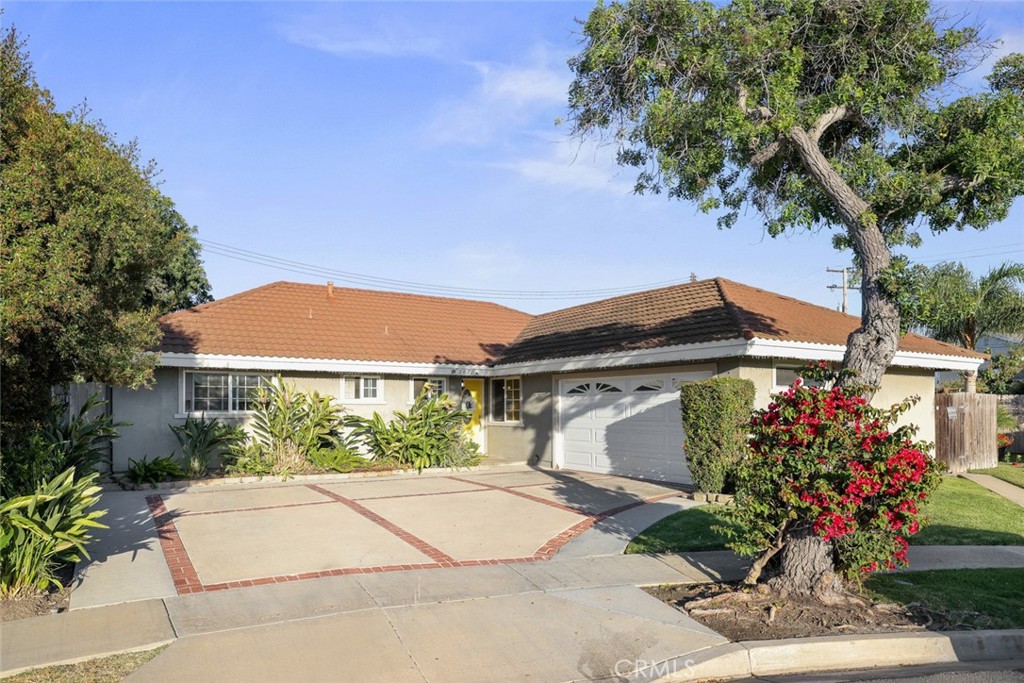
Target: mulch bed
40 604
739 613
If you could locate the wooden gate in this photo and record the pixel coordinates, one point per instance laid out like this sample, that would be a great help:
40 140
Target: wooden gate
965 431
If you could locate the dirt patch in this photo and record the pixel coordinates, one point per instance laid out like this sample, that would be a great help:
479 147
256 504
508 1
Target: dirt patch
739 613
40 604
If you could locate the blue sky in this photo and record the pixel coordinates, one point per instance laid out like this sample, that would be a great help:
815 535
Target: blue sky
413 143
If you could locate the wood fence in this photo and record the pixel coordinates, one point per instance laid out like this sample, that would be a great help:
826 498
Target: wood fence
965 431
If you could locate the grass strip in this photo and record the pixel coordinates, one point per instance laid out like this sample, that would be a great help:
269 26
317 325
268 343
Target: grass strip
973 598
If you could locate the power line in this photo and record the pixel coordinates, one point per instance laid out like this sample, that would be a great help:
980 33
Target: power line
258 258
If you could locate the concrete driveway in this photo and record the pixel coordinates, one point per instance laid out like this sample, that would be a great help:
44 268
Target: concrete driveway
237 536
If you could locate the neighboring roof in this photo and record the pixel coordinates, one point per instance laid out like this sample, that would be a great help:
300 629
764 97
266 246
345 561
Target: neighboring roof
692 313
291 320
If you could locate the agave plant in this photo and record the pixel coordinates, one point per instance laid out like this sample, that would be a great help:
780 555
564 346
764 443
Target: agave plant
201 439
41 530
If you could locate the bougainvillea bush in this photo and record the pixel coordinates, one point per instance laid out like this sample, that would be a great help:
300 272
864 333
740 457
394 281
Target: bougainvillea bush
823 460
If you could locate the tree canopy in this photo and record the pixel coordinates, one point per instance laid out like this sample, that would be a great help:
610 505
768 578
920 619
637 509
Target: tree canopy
816 115
92 254
954 306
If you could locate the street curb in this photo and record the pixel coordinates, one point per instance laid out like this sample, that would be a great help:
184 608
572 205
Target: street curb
836 653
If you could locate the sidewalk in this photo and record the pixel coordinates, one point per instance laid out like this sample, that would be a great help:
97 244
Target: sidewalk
565 619
1003 488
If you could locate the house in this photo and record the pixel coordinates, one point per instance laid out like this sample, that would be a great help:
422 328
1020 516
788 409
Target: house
591 387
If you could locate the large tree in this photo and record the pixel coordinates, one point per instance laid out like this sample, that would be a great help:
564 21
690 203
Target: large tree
954 306
816 114
92 253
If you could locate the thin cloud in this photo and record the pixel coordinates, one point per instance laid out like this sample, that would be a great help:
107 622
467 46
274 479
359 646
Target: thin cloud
506 98
569 164
342 37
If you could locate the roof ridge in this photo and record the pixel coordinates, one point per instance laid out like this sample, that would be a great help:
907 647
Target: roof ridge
730 307
387 292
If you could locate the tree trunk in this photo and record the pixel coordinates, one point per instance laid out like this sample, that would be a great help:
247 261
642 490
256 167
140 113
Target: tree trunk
971 382
807 567
871 347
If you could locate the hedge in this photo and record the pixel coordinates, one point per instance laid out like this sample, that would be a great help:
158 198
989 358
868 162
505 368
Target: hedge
716 419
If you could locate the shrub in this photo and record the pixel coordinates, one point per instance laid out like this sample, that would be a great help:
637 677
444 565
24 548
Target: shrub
64 441
716 415
338 459
287 427
823 462
154 471
431 434
41 530
201 439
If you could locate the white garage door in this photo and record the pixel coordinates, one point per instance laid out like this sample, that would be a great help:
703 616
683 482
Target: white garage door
624 425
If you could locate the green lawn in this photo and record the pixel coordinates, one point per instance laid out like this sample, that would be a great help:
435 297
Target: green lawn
103 670
960 512
685 531
1006 472
978 598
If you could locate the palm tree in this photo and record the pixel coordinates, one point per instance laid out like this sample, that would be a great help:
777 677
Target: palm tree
960 310
964 309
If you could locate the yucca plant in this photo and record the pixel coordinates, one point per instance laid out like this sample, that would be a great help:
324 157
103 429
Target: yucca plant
201 439
41 530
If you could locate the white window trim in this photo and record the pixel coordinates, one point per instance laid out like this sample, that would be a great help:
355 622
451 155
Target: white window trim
785 365
490 396
376 401
412 385
183 414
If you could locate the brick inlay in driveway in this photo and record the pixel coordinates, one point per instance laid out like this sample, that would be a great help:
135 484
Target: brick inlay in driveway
442 535
416 542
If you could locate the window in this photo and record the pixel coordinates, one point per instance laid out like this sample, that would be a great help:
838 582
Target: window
360 388
650 385
437 385
785 375
221 392
506 399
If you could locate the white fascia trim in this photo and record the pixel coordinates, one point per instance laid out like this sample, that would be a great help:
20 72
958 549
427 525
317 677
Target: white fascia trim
768 348
809 351
658 356
281 364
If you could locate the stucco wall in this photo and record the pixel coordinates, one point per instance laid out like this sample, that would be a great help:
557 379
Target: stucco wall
529 441
152 410
900 383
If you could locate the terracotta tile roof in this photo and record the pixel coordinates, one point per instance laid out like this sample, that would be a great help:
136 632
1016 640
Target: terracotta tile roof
704 311
294 320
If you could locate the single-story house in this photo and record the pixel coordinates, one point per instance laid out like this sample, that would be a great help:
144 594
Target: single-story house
591 387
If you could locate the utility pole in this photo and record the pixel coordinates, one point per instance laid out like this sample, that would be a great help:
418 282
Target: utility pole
845 286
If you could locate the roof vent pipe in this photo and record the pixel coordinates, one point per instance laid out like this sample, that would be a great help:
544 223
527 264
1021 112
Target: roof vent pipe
330 289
